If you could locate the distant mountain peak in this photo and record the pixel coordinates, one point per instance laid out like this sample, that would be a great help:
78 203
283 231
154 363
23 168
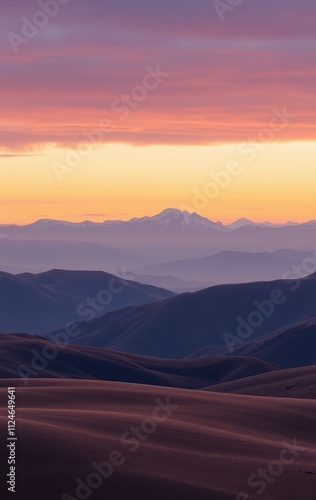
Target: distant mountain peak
173 218
50 222
53 222
241 223
176 218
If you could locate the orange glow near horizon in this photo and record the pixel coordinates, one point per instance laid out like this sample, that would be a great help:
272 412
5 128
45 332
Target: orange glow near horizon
167 93
118 181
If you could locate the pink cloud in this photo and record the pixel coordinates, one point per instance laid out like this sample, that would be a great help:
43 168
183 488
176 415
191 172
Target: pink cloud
224 79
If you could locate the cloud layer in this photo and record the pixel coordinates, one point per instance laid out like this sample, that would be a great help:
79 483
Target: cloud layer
84 68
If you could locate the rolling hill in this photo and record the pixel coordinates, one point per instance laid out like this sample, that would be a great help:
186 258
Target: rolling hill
299 383
31 303
184 324
25 356
229 267
190 442
290 347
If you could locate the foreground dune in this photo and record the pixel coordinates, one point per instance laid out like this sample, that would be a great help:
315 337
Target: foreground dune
193 445
290 383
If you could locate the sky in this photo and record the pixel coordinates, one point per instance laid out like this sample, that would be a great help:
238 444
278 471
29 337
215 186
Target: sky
121 109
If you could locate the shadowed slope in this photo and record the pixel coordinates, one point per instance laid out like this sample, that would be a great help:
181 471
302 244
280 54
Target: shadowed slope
22 355
226 267
290 347
33 302
180 325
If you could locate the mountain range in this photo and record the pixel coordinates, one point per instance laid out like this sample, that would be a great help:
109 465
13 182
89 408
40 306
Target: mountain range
226 267
229 370
164 245
170 217
34 302
208 322
270 320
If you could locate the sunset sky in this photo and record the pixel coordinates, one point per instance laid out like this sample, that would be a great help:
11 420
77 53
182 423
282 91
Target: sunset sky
89 130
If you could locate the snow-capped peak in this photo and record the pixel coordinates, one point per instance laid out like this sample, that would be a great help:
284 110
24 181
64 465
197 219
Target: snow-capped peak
175 218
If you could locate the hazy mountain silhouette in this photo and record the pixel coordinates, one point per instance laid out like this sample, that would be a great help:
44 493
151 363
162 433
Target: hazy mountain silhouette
169 282
241 223
38 256
171 235
33 302
229 267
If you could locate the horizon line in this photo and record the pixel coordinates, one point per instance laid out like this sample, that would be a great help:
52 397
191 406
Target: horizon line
266 221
